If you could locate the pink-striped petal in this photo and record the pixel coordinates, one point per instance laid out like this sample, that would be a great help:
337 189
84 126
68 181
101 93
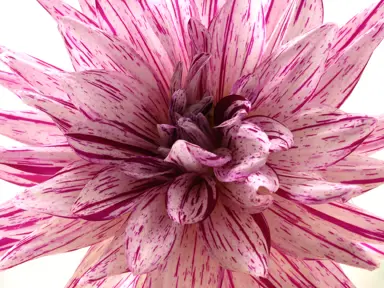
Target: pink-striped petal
234 279
350 221
14 82
57 236
59 9
251 193
281 137
30 127
343 73
22 178
358 26
295 232
126 280
200 38
273 12
375 141
191 198
236 240
189 264
355 169
100 142
57 195
196 78
196 159
230 107
284 83
88 8
302 189
250 148
208 9
323 136
238 37
150 234
111 194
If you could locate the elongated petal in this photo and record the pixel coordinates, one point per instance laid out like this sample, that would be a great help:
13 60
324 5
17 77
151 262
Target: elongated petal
129 22
313 191
350 221
342 75
237 41
200 38
188 265
284 84
57 195
126 280
57 236
237 279
196 78
207 10
150 234
111 194
20 177
358 26
30 127
281 137
191 198
235 240
323 136
14 82
195 159
230 107
59 9
250 193
375 141
355 169
294 232
273 12
88 7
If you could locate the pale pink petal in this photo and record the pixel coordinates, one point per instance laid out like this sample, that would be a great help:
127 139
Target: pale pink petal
191 198
57 236
129 22
88 7
200 38
350 221
323 136
236 240
150 234
273 12
195 159
111 194
284 83
208 9
250 193
237 41
189 264
195 81
355 169
281 137
59 9
287 271
234 279
295 232
126 280
14 82
100 142
43 77
250 149
230 108
358 26
305 190
57 195
343 73
22 178
375 141
30 127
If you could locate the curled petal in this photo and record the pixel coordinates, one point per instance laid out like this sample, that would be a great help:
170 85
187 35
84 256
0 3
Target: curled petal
235 239
229 107
150 234
178 105
191 198
200 38
196 78
375 141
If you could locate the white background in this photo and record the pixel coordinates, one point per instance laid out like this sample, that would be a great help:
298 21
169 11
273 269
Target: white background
26 27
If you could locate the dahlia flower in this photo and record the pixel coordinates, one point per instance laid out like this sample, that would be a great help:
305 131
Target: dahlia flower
197 144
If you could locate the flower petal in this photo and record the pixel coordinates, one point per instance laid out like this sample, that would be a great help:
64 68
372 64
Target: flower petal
111 194
323 136
236 279
375 141
150 234
191 198
196 78
295 232
229 107
57 195
57 236
358 26
208 9
13 82
355 169
59 9
343 73
302 189
237 42
350 221
22 178
281 137
188 265
195 159
30 127
273 12
200 38
88 7
250 194
235 240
